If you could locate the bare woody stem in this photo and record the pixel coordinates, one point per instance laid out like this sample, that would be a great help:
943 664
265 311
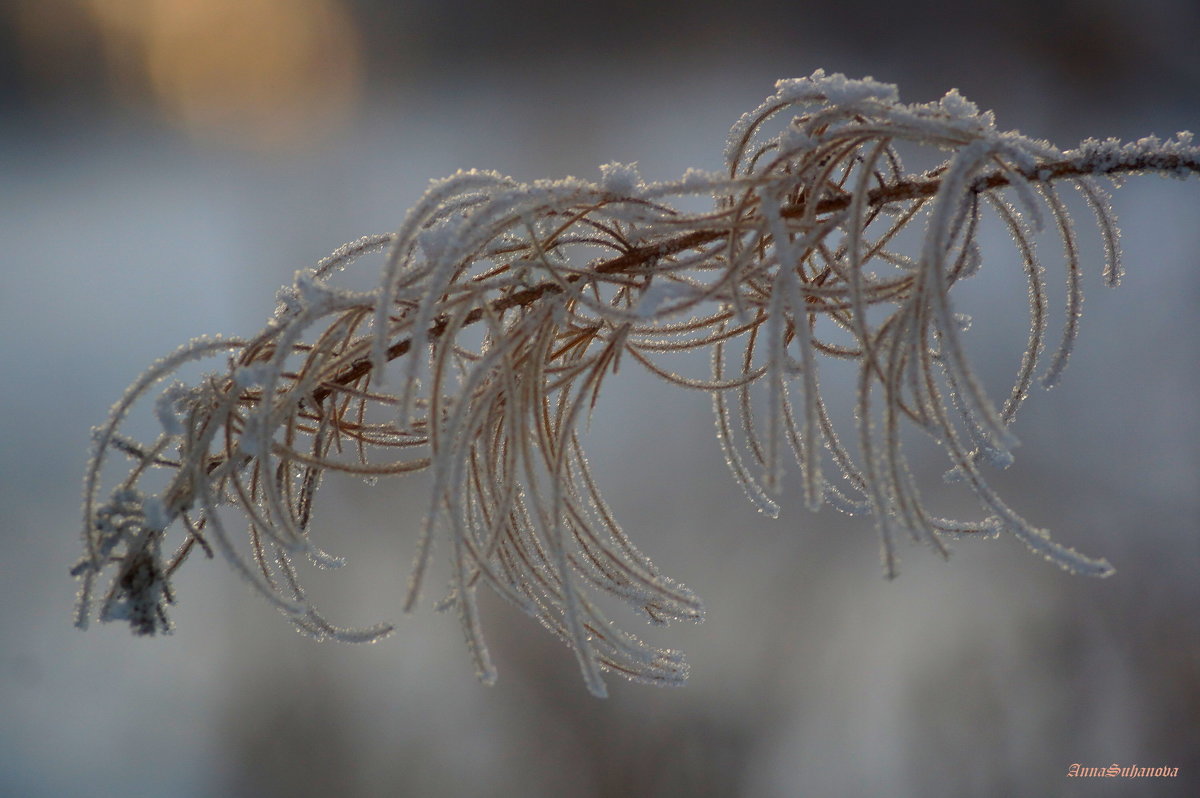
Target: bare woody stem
1131 162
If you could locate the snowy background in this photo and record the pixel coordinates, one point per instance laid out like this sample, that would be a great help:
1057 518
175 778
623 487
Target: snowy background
166 165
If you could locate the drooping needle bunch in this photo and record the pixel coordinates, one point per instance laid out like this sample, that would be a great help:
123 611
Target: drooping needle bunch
503 309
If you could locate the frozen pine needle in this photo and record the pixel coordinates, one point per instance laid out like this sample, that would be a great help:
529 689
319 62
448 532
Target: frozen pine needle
504 308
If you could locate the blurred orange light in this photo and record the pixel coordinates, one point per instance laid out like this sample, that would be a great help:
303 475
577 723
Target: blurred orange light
270 74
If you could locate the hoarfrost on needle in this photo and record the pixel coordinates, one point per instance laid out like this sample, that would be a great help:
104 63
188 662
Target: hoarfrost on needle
509 305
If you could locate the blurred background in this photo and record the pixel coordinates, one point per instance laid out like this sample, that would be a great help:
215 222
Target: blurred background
166 165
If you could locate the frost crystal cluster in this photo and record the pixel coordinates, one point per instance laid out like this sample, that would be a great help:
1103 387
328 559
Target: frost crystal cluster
503 308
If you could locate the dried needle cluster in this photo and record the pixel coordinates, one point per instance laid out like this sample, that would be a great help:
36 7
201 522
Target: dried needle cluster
502 309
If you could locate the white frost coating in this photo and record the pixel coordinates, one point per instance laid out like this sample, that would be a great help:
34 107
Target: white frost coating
503 308
170 406
697 179
836 89
251 375
289 303
313 291
972 260
1028 198
426 211
254 441
793 139
621 180
439 238
957 106
996 458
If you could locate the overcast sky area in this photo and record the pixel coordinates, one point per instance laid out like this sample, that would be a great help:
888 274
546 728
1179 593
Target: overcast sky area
167 165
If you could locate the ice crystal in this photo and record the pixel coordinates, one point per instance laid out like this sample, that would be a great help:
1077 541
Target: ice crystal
504 307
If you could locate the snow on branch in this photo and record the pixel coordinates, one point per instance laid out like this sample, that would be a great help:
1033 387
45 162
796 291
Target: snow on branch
503 309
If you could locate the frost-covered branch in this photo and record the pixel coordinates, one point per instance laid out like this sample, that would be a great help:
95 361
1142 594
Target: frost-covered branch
503 308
